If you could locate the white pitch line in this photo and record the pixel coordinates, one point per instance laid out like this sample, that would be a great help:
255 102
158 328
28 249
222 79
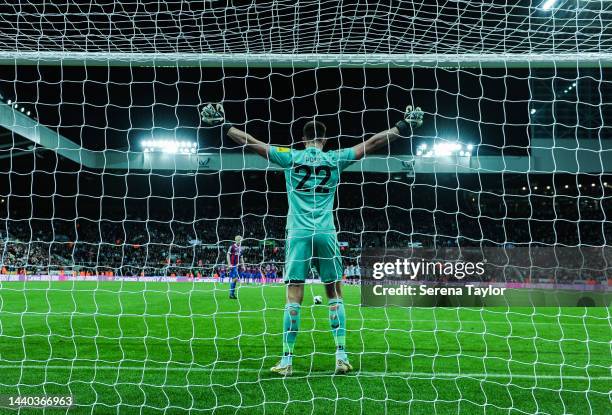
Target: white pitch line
238 316
394 320
427 375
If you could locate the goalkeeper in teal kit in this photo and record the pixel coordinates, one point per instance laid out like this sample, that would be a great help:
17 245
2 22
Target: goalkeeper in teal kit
311 177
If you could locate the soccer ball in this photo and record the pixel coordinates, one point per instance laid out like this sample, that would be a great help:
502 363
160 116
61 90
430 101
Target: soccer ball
318 299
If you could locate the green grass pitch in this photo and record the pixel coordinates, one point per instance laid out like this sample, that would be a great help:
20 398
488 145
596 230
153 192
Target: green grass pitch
154 348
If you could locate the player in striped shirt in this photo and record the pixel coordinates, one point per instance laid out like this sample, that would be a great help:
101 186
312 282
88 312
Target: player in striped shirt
234 261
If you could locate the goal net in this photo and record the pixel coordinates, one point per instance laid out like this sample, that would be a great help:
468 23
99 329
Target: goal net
119 208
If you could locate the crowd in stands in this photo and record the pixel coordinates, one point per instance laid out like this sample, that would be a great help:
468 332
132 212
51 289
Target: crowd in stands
198 246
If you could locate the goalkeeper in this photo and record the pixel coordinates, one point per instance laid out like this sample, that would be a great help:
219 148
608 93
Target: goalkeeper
311 177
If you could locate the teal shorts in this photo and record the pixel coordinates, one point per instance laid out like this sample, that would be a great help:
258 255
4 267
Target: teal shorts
305 249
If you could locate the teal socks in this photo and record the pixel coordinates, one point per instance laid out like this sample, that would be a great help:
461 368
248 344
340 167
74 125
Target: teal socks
337 322
291 326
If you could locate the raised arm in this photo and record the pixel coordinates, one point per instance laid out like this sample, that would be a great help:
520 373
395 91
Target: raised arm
214 115
376 141
403 128
246 139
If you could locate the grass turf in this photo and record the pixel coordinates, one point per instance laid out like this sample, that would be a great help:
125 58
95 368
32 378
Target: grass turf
172 347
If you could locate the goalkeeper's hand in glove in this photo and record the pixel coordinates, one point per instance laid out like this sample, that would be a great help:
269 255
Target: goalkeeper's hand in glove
413 118
214 115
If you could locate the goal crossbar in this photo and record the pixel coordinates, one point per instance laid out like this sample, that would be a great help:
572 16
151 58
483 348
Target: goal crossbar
307 60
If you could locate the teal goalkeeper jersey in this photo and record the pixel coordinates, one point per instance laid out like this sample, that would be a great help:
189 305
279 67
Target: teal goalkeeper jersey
311 176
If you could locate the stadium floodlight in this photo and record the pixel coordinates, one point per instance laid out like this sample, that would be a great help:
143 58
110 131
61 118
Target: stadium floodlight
446 149
533 111
169 146
421 149
10 101
548 4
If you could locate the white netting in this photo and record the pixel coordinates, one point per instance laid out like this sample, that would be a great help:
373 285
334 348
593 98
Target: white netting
422 27
117 207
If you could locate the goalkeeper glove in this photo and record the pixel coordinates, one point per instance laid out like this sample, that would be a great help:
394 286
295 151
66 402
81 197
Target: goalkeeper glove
413 118
214 115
